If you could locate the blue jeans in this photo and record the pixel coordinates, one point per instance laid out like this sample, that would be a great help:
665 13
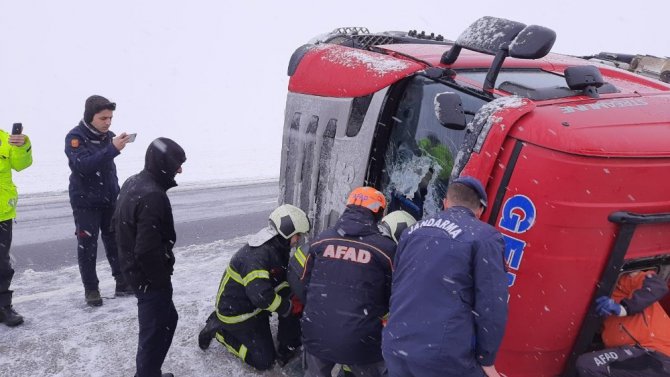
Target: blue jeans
157 323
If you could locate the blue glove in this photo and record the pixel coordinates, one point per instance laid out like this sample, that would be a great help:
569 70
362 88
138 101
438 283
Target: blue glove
605 307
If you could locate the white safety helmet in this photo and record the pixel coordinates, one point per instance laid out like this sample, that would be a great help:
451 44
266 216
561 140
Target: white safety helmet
289 220
395 223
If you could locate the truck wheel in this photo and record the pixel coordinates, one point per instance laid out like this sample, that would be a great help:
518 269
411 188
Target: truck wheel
665 76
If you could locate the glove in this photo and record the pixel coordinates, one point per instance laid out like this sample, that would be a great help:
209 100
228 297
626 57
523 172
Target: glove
296 305
605 307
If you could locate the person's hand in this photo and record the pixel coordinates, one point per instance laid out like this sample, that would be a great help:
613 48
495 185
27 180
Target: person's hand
121 141
605 307
296 305
490 371
17 140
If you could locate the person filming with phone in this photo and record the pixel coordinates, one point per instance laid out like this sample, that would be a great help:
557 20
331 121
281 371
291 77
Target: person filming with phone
16 154
94 186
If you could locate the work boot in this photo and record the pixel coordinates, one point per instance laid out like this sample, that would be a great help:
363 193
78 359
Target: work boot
123 289
209 331
9 316
93 297
286 354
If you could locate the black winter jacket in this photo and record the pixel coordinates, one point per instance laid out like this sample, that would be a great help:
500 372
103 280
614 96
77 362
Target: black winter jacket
251 285
93 181
143 219
348 283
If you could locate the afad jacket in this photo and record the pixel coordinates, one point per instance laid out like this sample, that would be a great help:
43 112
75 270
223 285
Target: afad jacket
90 154
347 280
16 158
647 323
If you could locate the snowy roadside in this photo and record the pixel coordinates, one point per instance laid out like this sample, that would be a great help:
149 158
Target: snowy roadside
63 337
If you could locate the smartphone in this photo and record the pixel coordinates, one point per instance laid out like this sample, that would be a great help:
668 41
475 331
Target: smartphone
17 129
131 137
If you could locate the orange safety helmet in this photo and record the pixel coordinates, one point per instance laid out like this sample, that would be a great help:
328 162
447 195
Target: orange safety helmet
367 197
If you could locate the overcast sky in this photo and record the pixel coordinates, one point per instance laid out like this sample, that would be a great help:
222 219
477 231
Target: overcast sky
212 74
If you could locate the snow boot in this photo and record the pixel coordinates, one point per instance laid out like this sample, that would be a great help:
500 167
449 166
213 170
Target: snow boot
10 317
286 353
209 331
123 289
93 297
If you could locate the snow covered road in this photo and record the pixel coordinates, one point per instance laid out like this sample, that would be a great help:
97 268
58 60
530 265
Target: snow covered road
44 232
64 337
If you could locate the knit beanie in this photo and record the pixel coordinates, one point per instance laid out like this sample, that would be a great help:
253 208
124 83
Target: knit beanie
95 104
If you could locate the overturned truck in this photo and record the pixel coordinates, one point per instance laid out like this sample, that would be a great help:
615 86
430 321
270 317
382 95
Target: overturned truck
574 155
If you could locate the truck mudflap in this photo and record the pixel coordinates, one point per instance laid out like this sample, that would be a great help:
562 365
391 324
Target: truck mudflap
628 223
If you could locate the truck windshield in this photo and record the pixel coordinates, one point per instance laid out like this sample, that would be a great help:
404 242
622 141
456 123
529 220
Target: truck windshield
420 153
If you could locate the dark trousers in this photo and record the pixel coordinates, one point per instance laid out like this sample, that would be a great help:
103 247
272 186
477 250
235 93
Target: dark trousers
157 323
6 270
252 341
317 367
399 366
89 222
626 361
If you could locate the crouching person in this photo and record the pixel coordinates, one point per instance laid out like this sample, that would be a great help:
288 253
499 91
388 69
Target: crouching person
636 330
253 286
347 281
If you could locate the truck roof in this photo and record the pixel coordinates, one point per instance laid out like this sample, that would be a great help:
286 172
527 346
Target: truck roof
576 124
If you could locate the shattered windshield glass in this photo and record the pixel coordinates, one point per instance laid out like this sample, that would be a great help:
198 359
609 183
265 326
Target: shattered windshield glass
421 151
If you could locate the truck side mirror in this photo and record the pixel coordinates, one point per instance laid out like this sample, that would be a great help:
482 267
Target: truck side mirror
533 42
449 110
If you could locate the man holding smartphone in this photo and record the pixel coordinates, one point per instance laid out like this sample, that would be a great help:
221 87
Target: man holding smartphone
15 153
94 186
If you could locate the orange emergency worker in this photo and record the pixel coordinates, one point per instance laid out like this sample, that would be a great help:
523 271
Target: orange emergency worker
636 332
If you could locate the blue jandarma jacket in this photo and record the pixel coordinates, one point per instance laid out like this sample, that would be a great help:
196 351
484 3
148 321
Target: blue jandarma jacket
449 294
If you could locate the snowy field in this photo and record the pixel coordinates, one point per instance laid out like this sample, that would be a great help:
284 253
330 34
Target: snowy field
63 337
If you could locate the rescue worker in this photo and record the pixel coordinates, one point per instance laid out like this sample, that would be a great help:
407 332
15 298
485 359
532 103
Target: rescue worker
449 297
91 148
252 288
16 153
348 283
636 330
145 233
391 226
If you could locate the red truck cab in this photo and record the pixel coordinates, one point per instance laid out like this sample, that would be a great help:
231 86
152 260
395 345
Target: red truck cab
575 159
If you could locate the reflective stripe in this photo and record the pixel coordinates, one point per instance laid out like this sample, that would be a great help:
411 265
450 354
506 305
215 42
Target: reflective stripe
256 274
236 318
300 257
222 287
275 303
243 317
241 353
282 285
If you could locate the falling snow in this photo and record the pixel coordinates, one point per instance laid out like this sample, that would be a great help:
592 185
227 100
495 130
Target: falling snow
101 342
